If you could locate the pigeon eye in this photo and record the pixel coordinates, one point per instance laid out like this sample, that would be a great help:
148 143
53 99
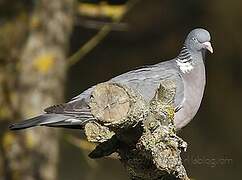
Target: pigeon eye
194 39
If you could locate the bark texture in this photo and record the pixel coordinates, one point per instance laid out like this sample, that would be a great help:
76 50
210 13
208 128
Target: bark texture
33 81
142 133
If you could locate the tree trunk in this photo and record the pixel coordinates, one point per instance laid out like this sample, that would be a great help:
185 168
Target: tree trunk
36 81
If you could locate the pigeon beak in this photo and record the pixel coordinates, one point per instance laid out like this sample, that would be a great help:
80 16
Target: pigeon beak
208 46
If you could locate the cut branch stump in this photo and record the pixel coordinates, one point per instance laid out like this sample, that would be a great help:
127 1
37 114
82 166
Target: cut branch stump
142 133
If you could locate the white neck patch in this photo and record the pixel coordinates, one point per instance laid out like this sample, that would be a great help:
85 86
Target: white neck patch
185 67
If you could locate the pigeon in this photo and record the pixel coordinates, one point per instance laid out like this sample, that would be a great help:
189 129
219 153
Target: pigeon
187 70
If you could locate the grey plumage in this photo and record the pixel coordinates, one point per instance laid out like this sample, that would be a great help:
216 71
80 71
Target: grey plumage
186 70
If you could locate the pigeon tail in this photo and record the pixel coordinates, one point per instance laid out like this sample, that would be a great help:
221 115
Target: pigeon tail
51 120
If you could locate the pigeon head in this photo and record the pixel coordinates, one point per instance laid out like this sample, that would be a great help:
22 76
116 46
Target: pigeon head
198 40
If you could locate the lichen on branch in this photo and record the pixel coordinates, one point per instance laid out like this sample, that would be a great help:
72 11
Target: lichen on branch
142 133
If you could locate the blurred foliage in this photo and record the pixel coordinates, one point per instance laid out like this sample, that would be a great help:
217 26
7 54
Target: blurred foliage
101 10
12 34
111 2
44 63
100 35
8 140
11 8
27 84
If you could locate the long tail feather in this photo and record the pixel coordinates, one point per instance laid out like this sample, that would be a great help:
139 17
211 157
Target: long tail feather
28 123
51 120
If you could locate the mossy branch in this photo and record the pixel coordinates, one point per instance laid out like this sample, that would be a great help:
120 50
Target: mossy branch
142 133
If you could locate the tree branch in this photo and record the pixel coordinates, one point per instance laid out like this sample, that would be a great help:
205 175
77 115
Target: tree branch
96 39
143 134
